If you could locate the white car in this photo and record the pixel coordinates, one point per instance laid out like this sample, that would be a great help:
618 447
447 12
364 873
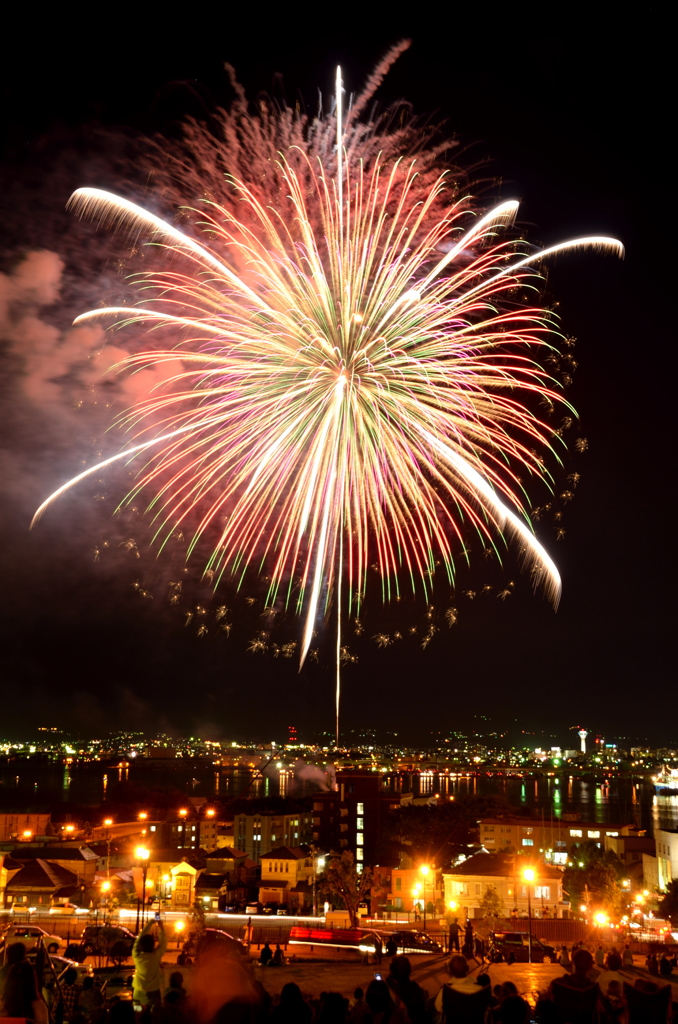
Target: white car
30 935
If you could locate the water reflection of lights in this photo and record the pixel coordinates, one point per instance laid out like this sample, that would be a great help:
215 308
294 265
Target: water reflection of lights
286 776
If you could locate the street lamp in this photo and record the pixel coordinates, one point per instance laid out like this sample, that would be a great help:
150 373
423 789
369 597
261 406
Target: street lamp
318 862
425 871
142 854
528 875
105 889
108 822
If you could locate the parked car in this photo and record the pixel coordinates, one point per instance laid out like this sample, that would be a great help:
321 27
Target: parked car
60 964
415 942
101 938
198 943
511 946
30 935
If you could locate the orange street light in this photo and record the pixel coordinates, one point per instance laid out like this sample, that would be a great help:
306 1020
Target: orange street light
528 875
142 815
183 812
108 821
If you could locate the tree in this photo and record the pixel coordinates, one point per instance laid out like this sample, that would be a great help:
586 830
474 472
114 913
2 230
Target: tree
196 918
592 876
440 832
345 884
668 907
492 906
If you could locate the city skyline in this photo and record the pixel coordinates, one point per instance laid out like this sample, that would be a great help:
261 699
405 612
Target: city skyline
94 639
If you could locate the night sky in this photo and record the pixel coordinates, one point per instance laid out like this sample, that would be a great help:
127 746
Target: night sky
569 113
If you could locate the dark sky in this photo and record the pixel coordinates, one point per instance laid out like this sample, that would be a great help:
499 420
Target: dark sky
568 109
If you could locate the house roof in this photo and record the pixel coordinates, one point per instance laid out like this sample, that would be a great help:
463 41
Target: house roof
175 855
210 881
500 865
53 853
39 874
273 885
286 853
226 853
556 823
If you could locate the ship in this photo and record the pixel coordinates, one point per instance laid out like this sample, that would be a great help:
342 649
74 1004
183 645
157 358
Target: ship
666 781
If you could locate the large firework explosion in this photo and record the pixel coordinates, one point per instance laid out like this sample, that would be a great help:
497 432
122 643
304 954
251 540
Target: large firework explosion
354 367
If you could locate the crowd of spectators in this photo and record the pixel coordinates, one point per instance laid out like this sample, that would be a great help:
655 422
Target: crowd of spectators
224 990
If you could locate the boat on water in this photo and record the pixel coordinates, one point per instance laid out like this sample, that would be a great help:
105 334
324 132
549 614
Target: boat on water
666 780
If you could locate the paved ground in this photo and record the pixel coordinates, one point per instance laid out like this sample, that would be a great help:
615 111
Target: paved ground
345 974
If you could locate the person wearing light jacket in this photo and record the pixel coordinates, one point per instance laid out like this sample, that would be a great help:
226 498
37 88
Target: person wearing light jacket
147 957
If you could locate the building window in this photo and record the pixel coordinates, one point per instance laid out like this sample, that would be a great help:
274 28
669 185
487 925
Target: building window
528 842
359 839
359 823
477 888
287 867
359 854
593 835
575 832
542 892
359 809
398 884
528 831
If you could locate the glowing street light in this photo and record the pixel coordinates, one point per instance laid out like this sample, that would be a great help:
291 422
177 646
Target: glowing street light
142 854
601 918
426 871
528 875
142 815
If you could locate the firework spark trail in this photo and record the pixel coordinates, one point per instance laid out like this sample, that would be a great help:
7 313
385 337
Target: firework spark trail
343 388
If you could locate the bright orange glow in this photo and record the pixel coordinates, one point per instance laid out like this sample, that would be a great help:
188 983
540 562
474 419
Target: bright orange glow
210 813
69 828
105 886
27 833
108 821
601 918
425 869
142 815
528 875
142 853
179 926
183 811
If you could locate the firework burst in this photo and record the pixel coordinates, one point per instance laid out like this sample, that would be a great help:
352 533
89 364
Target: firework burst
356 384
